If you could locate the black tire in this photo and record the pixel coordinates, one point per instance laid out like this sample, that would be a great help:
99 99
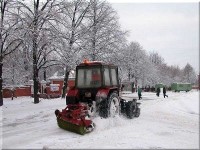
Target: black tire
123 106
107 105
57 112
137 113
130 107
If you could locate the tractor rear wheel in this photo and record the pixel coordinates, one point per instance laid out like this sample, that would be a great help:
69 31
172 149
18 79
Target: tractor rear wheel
137 113
110 107
130 108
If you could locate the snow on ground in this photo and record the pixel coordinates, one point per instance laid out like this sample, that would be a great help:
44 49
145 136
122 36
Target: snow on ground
163 124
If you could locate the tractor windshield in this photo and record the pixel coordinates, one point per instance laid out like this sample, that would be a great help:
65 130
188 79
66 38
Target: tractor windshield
88 78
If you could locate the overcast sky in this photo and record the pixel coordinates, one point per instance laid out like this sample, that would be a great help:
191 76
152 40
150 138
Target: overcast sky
171 29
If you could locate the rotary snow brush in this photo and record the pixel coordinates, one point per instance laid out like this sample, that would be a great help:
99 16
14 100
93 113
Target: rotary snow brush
75 118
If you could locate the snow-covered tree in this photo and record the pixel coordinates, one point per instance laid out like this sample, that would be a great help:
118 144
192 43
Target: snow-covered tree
72 28
156 58
10 39
104 34
36 16
189 74
14 69
133 60
149 73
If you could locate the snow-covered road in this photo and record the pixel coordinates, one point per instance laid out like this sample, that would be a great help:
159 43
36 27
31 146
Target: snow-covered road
164 123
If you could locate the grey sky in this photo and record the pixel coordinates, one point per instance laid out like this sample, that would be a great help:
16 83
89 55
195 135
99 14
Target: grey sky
171 29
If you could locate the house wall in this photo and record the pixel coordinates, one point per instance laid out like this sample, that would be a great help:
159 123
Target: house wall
19 91
7 93
26 90
23 91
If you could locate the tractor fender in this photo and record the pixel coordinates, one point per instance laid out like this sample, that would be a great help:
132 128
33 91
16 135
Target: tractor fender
103 94
72 92
71 96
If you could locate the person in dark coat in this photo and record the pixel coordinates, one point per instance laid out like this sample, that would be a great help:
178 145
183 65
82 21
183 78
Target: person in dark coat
158 91
164 92
139 92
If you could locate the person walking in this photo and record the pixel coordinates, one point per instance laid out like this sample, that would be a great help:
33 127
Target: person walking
139 93
158 91
164 92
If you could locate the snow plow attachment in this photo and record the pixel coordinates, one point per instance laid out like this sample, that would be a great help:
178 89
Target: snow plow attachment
74 118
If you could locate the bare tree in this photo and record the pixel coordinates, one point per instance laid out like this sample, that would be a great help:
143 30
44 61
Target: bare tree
9 36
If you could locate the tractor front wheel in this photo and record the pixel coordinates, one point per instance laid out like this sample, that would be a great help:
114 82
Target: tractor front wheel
110 107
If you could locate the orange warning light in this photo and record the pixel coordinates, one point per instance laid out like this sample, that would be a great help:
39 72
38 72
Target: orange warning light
85 61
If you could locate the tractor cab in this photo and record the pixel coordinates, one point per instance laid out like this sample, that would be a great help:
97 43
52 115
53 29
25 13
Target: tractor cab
96 75
93 79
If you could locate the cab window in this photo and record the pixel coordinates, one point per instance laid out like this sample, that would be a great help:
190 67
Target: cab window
88 78
114 76
107 77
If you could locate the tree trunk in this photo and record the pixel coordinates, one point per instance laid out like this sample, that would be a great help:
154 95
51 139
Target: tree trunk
136 85
45 73
67 70
129 75
35 84
1 81
35 48
143 80
35 69
2 8
65 82
94 33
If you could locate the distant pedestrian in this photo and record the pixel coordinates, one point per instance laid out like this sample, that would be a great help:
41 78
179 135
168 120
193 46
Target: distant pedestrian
139 92
158 91
164 92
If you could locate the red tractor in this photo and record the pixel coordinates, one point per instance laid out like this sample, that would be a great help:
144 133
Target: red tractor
96 92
